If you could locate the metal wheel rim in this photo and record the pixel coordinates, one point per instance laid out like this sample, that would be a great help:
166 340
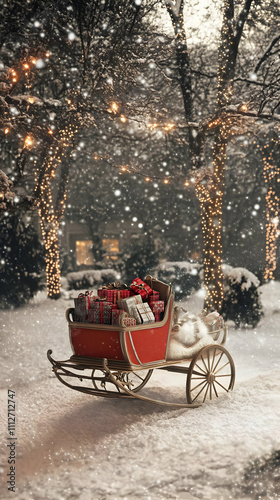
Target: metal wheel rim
211 374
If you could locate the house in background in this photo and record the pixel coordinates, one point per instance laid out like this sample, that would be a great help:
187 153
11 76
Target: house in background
76 241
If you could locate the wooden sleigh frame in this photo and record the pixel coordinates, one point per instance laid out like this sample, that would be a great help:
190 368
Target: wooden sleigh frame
116 362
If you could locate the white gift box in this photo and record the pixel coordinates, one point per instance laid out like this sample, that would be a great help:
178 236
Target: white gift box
136 314
145 312
129 305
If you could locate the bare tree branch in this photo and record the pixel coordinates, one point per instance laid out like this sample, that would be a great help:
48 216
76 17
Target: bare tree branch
267 53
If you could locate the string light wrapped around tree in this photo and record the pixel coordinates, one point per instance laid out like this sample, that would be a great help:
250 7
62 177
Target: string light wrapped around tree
50 212
271 174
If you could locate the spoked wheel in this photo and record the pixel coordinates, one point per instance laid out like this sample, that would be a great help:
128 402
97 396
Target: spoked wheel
134 381
211 373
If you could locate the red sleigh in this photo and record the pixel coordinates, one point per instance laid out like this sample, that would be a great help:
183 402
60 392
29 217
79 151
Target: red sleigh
116 362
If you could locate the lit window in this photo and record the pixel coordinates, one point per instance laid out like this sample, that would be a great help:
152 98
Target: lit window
83 253
111 246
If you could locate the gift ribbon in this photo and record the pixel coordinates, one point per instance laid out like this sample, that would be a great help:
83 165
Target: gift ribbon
116 285
113 294
141 286
86 295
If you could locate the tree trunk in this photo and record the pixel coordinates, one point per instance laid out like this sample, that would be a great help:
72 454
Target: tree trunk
50 211
210 184
209 189
272 233
50 236
271 173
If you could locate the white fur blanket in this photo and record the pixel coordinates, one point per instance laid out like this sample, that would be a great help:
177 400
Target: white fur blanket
190 336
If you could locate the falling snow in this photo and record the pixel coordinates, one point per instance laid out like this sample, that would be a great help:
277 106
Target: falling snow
70 445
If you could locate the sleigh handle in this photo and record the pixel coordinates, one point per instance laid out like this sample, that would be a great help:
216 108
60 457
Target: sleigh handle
69 315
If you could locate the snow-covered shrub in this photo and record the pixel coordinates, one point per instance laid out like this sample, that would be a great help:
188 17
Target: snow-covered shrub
68 262
241 297
183 276
21 260
88 279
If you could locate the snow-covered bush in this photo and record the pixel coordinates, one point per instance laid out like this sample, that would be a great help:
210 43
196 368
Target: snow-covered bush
21 260
241 297
88 279
183 276
68 262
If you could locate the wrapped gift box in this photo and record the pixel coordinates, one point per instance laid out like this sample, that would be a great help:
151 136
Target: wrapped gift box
115 316
157 306
100 312
77 317
146 313
153 297
135 314
113 294
158 316
128 303
126 320
83 304
140 287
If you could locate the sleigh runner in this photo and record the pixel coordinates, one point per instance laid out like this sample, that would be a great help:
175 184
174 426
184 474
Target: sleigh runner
116 361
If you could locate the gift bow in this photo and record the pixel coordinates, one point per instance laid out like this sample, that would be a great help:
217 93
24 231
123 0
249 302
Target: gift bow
85 294
89 294
141 286
116 285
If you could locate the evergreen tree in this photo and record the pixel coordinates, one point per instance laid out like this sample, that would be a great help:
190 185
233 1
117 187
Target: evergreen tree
142 260
21 260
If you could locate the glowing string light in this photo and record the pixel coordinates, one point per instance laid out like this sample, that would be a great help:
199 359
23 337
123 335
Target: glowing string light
49 214
271 176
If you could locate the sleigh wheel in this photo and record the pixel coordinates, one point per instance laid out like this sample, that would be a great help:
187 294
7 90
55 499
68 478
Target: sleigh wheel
133 381
211 373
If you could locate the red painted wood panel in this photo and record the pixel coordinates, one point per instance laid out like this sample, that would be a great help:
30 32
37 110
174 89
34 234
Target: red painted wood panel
150 345
96 343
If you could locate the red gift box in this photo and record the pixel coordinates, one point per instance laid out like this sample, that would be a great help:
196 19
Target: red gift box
115 316
157 306
113 292
157 316
100 312
140 287
158 309
153 297
83 304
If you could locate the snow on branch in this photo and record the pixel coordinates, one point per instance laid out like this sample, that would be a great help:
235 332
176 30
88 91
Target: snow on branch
6 195
242 109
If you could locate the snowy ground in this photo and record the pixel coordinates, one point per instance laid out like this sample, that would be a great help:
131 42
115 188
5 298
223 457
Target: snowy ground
73 446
